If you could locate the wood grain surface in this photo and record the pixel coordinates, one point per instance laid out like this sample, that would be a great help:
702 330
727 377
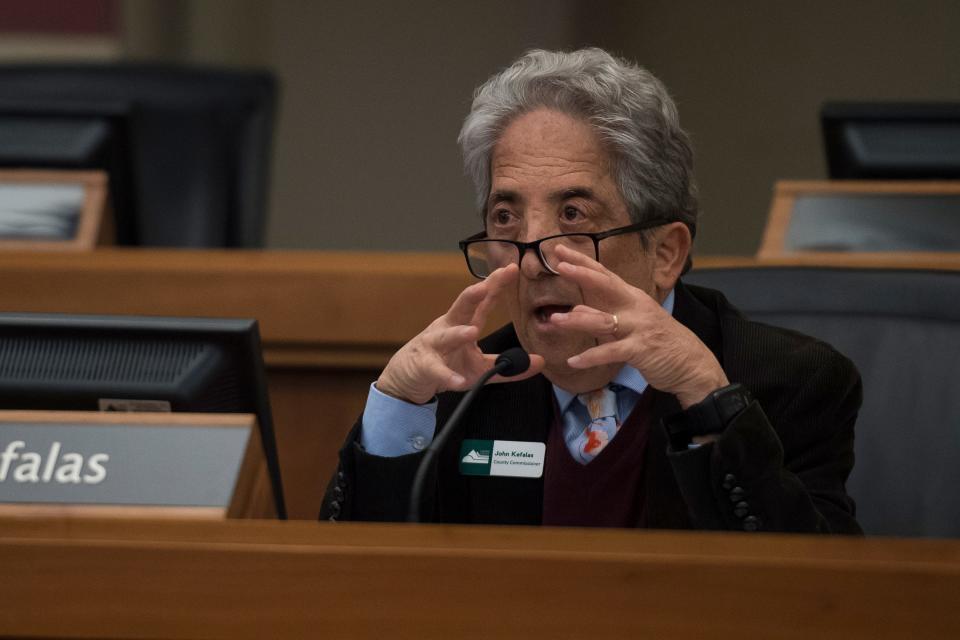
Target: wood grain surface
253 579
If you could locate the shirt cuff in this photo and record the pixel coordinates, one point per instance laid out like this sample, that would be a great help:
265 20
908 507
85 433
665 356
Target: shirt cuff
392 427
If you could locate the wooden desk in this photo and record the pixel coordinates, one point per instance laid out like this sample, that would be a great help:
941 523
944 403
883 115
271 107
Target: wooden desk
329 321
110 579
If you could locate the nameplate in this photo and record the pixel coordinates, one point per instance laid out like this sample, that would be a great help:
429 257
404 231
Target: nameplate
148 460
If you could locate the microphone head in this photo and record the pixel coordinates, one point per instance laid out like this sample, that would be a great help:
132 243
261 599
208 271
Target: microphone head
512 362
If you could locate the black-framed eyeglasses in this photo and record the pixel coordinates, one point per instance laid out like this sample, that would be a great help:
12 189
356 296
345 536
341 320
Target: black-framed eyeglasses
485 255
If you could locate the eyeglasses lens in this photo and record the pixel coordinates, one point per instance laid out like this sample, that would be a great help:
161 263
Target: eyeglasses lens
580 244
488 256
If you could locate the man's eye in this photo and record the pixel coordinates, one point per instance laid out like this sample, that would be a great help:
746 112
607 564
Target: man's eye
571 214
502 216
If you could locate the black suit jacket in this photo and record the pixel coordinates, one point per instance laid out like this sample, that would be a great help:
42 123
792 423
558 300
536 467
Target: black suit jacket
781 465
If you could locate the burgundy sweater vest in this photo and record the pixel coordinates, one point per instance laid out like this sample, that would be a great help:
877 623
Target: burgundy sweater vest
607 492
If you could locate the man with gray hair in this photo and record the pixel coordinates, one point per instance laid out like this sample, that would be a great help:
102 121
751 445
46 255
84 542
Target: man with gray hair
648 402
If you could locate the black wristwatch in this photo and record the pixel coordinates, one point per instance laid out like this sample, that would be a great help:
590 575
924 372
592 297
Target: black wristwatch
709 416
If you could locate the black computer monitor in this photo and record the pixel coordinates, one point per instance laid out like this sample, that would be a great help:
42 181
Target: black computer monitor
891 141
90 363
191 146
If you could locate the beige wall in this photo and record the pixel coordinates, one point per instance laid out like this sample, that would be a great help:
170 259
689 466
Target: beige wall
374 92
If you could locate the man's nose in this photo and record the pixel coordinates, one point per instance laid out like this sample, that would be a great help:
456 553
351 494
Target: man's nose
530 263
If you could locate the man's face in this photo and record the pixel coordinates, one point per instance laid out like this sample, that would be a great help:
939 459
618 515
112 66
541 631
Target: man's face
550 175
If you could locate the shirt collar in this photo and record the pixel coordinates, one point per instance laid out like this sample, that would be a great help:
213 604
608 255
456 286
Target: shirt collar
627 376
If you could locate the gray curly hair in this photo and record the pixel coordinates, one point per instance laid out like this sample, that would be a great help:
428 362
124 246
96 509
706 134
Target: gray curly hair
628 107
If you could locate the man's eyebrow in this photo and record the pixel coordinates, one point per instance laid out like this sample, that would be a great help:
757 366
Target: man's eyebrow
503 195
512 197
574 192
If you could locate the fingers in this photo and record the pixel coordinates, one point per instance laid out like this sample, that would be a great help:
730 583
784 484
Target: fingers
578 259
450 380
608 353
416 374
445 356
462 310
595 280
601 287
451 338
474 303
587 277
588 320
502 279
446 378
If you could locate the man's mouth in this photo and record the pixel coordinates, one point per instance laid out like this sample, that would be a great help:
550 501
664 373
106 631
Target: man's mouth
544 312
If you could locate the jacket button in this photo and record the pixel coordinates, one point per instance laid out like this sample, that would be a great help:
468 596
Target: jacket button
741 509
729 481
751 523
340 476
334 509
736 494
338 492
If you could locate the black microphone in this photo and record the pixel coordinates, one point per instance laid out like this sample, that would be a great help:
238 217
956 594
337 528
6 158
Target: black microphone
511 362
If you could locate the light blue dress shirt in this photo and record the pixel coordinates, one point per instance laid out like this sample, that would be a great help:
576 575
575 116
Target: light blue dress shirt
393 427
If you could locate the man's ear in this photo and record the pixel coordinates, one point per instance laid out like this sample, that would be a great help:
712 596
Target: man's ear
673 245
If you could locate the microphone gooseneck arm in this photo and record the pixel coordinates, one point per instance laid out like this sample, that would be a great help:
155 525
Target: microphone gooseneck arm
510 363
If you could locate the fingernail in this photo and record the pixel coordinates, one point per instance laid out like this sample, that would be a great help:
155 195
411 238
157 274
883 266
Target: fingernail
457 380
559 316
573 361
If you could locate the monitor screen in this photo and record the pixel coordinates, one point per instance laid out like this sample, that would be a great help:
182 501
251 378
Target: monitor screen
892 141
121 363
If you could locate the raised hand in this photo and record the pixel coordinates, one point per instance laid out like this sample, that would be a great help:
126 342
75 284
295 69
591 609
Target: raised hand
631 327
445 355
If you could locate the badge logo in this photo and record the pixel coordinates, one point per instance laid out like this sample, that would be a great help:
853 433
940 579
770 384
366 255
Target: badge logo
475 457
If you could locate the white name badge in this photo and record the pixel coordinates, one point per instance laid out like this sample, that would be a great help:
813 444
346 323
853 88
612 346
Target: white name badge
502 458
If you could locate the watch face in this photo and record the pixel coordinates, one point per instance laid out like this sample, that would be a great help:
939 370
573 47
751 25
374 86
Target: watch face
730 401
708 417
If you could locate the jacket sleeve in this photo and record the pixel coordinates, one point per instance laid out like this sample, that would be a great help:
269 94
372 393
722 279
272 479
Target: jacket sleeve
373 488
786 473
